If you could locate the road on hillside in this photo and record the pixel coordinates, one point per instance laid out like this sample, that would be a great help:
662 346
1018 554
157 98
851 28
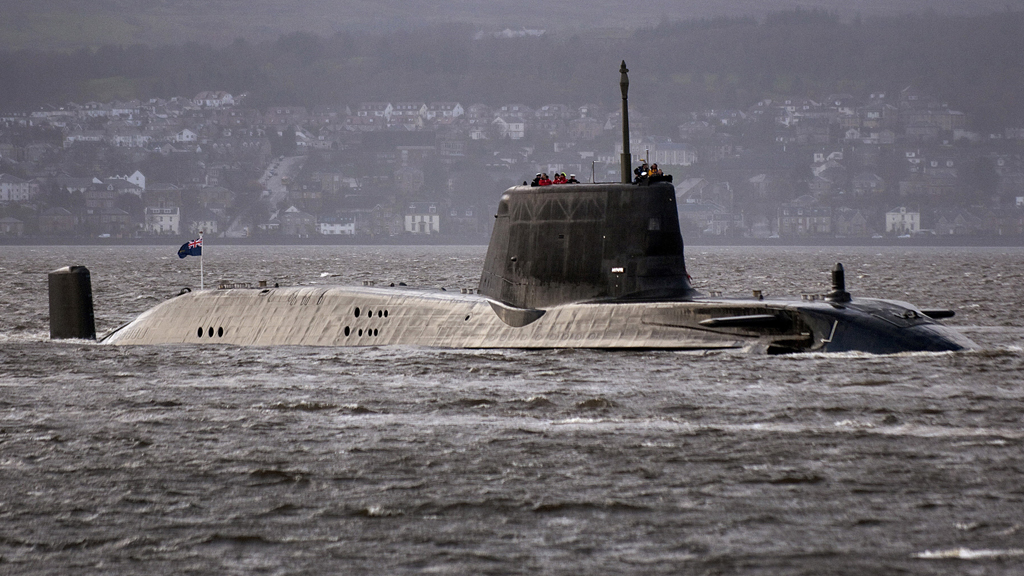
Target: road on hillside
274 190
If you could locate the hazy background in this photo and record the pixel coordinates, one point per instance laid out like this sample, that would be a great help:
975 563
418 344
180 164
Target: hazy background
69 24
718 77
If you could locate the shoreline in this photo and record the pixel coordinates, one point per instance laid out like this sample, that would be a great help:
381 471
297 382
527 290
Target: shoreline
921 241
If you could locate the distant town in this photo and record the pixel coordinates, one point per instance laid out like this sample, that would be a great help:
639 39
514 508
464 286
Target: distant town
886 166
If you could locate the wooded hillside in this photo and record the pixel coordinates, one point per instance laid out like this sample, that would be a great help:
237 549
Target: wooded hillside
974 63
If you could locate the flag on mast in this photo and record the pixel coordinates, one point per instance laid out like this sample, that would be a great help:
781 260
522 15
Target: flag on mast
191 248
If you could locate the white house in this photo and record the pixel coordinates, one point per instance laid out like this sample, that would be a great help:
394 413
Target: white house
136 178
186 136
84 136
213 99
163 221
338 225
902 221
423 218
375 110
14 189
444 110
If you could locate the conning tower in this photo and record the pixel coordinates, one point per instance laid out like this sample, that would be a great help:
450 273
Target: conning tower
575 242
568 243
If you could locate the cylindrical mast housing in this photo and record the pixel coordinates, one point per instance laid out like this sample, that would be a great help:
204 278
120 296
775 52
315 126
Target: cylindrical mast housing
626 159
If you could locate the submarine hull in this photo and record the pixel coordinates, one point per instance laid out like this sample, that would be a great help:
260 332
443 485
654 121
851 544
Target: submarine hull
349 316
595 265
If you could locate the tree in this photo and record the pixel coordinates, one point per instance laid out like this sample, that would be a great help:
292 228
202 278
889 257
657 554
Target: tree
979 181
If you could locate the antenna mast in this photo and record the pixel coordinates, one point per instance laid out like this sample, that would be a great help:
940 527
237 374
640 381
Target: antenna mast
626 160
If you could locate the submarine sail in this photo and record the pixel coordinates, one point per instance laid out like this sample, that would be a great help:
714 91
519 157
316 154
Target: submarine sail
554 245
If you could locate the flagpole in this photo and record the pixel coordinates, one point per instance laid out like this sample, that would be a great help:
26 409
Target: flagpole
202 249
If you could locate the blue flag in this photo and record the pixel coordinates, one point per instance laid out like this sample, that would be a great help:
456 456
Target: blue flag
193 248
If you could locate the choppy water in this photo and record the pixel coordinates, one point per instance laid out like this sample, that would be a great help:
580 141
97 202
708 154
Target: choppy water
219 460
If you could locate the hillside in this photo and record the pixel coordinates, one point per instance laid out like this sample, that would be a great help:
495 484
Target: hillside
72 24
976 64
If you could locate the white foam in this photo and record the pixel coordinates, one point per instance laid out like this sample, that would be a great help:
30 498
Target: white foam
968 554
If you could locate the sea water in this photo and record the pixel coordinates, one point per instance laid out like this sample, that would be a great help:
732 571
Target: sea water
300 460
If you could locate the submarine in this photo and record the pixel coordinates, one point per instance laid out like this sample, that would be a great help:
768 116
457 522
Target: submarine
596 265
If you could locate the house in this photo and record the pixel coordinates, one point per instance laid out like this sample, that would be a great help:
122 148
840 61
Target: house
161 194
295 222
867 184
215 198
273 223
129 138
94 110
408 179
280 116
849 222
120 185
958 223
514 110
444 111
344 225
822 185
877 114
129 109
764 186
213 99
365 123
708 218
760 227
550 126
14 189
479 114
70 184
79 136
555 111
379 110
408 115
11 227
57 221
204 222
112 221
478 132
162 221
511 127
137 178
463 220
663 152
901 221
186 136
918 185
326 115
813 131
943 119
100 195
237 117
805 217
11 152
423 218
696 129
451 144
585 128
383 219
